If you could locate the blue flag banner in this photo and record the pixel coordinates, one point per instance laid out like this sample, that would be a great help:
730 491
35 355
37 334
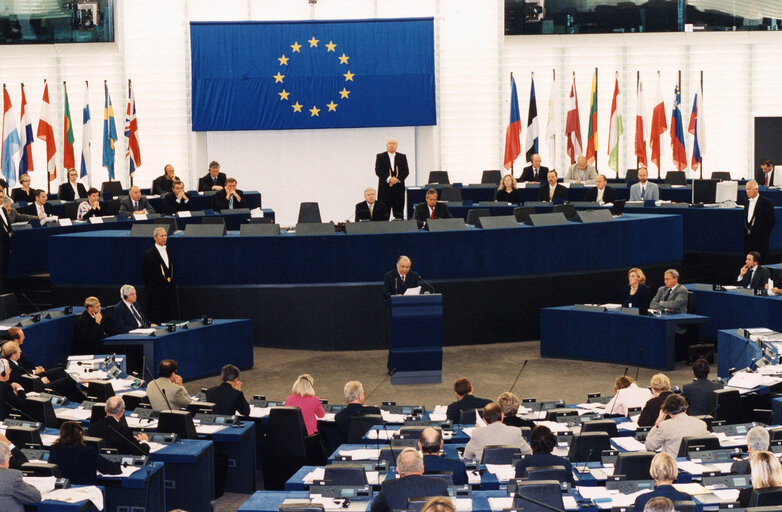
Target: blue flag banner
313 74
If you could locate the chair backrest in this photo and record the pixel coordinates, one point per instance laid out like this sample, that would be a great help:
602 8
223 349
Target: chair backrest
110 190
213 219
177 422
522 213
100 391
634 465
42 410
315 228
110 207
259 229
450 194
360 425
775 433
708 443
766 497
499 454
558 473
309 212
440 177
588 446
200 408
606 426
40 469
631 176
685 506
285 432
475 213
468 417
70 210
545 491
721 175
726 406
389 455
493 177
568 209
345 475
442 475
21 436
98 411
676 178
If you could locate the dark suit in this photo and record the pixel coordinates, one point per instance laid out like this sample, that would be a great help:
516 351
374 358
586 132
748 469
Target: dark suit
651 410
515 421
640 299
126 206
124 321
699 396
162 185
220 202
394 196
666 491
80 464
159 286
31 209
394 493
759 279
760 177
343 417
466 403
421 213
117 434
227 400
9 400
609 194
514 196
538 460
528 174
758 229
18 194
394 285
560 192
59 381
87 334
207 182
65 192
740 467
6 234
379 211
170 204
435 463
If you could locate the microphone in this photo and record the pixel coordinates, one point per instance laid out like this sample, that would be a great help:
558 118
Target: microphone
37 309
154 381
518 375
581 473
390 374
538 503
23 413
740 353
625 373
640 358
132 443
426 283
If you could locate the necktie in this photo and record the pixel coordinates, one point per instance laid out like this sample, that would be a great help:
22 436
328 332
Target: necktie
135 205
231 203
767 175
643 192
136 315
668 294
535 174
403 279
5 221
370 211
751 277
551 192
431 215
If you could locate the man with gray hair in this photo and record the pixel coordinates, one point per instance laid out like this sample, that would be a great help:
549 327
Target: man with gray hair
135 203
15 493
370 208
659 504
411 483
228 397
758 440
127 315
89 328
157 274
354 396
759 220
431 445
116 433
672 297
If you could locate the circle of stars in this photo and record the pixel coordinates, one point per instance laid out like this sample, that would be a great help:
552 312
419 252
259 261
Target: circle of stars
297 107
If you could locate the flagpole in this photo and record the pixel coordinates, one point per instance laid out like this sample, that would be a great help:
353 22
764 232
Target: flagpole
513 163
700 160
658 137
127 142
554 79
679 106
590 117
48 183
618 144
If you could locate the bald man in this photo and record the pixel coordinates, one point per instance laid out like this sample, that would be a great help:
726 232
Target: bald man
397 281
116 433
581 172
163 184
135 203
392 170
759 220
431 446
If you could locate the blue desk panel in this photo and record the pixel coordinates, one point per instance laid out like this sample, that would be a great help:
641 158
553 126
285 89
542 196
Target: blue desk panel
611 336
634 240
729 310
238 443
189 480
48 342
734 351
143 490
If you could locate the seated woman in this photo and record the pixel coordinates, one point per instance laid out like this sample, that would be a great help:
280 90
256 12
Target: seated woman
508 192
91 207
661 388
542 441
509 403
304 398
636 294
627 395
25 192
78 462
664 471
766 472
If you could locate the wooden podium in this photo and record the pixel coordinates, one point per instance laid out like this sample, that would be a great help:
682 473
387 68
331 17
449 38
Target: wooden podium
416 339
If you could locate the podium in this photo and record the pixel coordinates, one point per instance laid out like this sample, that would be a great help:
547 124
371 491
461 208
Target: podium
416 339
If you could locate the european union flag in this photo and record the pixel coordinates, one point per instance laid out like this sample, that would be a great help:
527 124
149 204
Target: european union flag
314 74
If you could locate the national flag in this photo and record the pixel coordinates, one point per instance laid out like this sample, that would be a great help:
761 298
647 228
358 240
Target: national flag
615 130
11 142
86 136
677 133
26 137
513 131
553 124
46 133
532 124
698 129
591 153
573 126
659 125
68 161
131 132
109 133
640 131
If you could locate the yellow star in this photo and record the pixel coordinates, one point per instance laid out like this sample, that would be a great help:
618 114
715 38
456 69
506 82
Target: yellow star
278 78
313 42
344 93
284 95
314 111
297 107
283 60
343 59
296 47
332 106
330 47
348 76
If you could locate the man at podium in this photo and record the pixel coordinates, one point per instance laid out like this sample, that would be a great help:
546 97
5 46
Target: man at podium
398 281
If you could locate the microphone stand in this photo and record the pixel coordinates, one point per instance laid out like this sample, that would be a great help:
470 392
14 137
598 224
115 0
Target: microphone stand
518 375
160 390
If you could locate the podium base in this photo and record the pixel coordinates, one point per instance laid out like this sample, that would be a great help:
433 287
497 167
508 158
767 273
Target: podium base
418 377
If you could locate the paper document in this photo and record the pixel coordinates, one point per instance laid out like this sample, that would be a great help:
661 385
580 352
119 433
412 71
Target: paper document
256 213
145 331
77 494
126 472
691 489
155 447
390 417
380 434
499 504
259 412
503 472
77 414
362 453
44 484
413 291
629 444
136 422
727 495
209 429
315 474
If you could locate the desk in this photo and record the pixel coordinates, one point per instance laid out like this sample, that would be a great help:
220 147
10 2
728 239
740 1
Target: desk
239 445
611 336
48 342
200 351
734 351
144 488
730 310
61 506
189 477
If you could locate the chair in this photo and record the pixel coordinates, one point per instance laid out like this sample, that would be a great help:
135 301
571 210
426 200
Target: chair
607 426
389 455
22 436
467 417
475 213
775 433
553 414
568 209
721 175
450 194
726 405
98 411
287 447
499 454
675 178
40 469
360 425
766 497
588 446
345 475
200 408
544 491
522 213
177 422
558 473
634 465
631 176
309 212
70 210
100 391
442 475
492 177
110 190
439 177
41 410
110 207
708 443
685 506
213 219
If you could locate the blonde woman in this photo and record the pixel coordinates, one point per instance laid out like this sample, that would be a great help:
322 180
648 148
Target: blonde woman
664 471
636 294
508 192
766 472
304 398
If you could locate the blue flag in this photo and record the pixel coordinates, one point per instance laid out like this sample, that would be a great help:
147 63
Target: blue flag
315 74
109 133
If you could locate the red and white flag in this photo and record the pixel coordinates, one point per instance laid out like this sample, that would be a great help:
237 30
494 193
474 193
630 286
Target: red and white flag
573 125
659 124
46 133
640 130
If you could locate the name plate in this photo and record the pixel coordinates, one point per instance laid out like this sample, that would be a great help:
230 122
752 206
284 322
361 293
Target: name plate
95 220
183 214
65 222
745 291
588 307
140 216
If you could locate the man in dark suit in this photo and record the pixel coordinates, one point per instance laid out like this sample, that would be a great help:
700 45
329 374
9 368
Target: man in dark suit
759 220
114 430
431 209
59 382
229 198
465 400
135 203
12 394
127 315
89 329
534 172
698 393
214 179
765 175
354 396
39 207
752 276
551 189
72 190
157 274
392 170
602 193
431 445
396 282
228 397
411 483
758 440
176 201
163 184
6 234
370 208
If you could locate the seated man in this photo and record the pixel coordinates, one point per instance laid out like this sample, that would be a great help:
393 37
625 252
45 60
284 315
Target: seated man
114 430
394 492
176 201
551 190
72 189
465 400
12 394
370 208
581 172
671 297
228 198
57 380
91 207
644 190
135 203
12 214
354 395
699 392
127 315
431 209
39 208
89 329
495 432
163 184
758 440
214 179
672 425
167 392
228 397
752 276
431 446
602 193
534 172
774 286
15 493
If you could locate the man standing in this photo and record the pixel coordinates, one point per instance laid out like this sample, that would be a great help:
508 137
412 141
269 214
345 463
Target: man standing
759 219
394 492
214 179
430 210
765 175
176 201
752 276
116 433
228 397
89 328
228 198
135 203
534 172
551 189
581 172
644 190
602 193
127 315
163 184
396 282
369 208
672 297
392 170
167 392
157 273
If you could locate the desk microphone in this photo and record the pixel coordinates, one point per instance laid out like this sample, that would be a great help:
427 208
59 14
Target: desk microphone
23 413
640 359
625 373
740 353
390 374
518 375
426 283
538 503
581 473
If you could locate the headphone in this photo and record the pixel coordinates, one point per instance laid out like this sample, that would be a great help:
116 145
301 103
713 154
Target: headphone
4 365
